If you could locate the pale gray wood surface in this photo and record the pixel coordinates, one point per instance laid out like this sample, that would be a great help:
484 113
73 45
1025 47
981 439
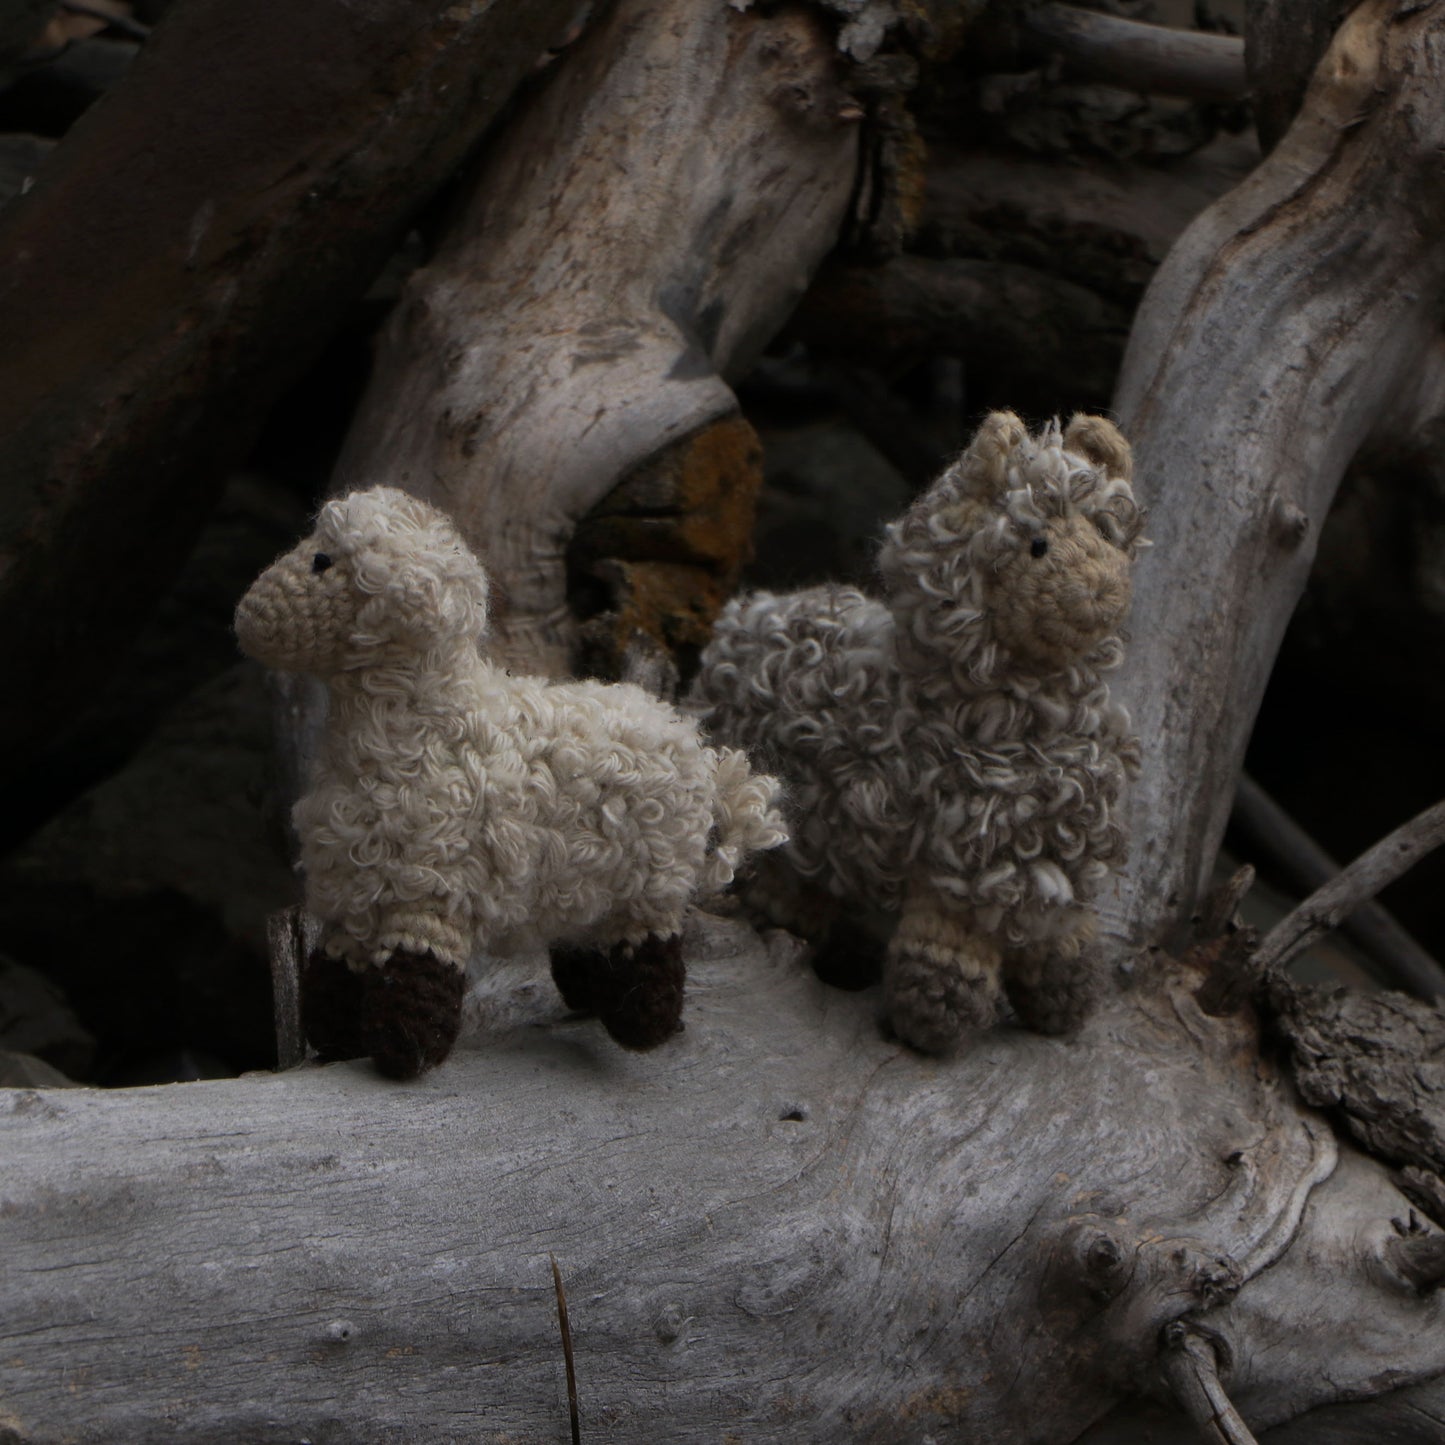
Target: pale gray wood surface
639 233
1293 320
782 1226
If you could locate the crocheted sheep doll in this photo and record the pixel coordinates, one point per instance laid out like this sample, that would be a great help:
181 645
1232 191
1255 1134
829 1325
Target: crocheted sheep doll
454 805
951 753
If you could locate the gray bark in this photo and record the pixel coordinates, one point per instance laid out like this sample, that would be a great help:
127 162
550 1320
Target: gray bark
1294 318
637 236
782 1226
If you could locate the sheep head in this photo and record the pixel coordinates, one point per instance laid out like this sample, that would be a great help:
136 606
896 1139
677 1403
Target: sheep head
1018 556
383 575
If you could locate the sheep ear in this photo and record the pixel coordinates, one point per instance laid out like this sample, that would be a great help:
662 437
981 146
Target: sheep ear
985 464
1098 439
431 602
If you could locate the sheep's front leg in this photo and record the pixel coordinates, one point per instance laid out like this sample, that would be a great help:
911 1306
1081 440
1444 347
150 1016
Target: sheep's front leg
411 1008
1053 983
941 974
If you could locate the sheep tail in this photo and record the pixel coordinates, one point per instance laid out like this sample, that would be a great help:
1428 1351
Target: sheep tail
745 818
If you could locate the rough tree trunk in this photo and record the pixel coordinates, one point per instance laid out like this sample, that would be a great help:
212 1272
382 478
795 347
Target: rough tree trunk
1294 320
783 1226
634 240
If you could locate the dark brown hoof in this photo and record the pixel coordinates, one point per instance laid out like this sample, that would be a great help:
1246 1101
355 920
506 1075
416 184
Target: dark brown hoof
411 1013
1053 996
331 1007
573 970
638 989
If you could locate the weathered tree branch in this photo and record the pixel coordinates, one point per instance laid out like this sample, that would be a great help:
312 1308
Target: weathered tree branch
181 257
1195 64
782 1225
1283 41
635 238
1046 335
1396 955
1192 1369
1245 419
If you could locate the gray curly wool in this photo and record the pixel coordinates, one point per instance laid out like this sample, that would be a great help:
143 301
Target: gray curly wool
952 753
455 805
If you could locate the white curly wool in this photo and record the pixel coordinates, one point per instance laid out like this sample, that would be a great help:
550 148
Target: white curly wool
454 804
956 741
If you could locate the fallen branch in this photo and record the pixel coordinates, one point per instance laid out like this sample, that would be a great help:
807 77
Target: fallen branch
1373 870
1152 59
1039 335
707 154
1192 1368
1399 962
780 1225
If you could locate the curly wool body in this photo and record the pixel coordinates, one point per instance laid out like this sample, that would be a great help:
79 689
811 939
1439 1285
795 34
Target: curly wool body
454 805
1017 822
956 741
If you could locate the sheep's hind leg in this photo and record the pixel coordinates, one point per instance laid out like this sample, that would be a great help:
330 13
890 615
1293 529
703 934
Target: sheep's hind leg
637 990
331 992
940 977
1054 984
573 971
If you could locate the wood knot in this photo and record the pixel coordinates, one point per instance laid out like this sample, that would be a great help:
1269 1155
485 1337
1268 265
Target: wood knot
1289 523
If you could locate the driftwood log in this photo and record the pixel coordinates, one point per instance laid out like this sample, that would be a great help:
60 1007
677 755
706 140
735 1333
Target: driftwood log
784 1226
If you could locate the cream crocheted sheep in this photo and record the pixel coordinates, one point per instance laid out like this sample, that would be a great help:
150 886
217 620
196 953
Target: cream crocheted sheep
951 753
454 805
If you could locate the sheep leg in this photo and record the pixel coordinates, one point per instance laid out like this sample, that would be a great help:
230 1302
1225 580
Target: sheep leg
940 976
1053 984
573 971
637 990
331 991
411 1005
775 896
411 1012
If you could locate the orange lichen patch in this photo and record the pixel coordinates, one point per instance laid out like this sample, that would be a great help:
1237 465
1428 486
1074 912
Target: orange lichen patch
674 603
912 179
670 540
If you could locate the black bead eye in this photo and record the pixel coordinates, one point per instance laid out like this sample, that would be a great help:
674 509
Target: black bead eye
320 562
1038 546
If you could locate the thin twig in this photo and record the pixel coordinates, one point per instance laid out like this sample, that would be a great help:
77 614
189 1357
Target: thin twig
1136 56
567 1351
1397 960
123 23
1365 877
1191 1367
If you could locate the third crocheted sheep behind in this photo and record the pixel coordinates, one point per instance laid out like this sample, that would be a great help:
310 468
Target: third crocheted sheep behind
952 753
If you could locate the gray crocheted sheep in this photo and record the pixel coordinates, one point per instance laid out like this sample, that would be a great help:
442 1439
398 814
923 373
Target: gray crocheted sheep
951 753
454 805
